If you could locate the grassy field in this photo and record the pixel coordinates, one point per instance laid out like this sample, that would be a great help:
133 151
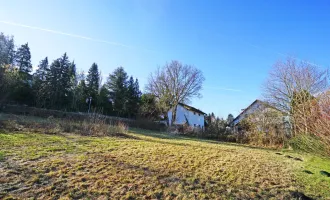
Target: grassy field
148 165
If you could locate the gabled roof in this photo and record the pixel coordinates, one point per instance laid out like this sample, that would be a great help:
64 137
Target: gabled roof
256 101
192 108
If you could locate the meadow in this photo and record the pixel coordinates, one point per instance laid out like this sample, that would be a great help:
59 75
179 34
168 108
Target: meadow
142 164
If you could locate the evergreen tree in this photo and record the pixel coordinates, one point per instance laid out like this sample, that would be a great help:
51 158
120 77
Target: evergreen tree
7 50
104 101
230 119
81 95
60 82
23 59
93 83
7 80
42 70
117 86
148 107
133 98
22 90
39 83
73 87
73 74
137 90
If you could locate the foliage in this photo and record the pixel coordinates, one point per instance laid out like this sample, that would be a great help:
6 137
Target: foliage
301 91
59 82
148 108
125 94
133 98
117 86
290 88
216 128
40 83
309 144
230 119
23 59
7 50
93 84
104 102
264 127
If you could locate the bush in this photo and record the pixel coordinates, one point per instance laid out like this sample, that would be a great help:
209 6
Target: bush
146 124
309 144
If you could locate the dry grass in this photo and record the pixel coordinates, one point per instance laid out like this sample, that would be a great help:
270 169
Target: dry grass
151 165
93 126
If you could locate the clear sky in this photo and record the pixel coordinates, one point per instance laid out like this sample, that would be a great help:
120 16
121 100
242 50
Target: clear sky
234 43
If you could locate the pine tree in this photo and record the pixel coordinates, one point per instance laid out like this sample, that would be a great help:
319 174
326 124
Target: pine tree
104 102
7 54
73 87
7 50
60 82
148 107
23 59
133 98
130 104
93 83
230 119
137 90
39 83
117 86
42 70
22 90
82 94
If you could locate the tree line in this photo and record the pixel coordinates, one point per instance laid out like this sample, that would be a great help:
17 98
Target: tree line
57 84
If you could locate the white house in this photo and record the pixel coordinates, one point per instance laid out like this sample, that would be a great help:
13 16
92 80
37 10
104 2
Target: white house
187 114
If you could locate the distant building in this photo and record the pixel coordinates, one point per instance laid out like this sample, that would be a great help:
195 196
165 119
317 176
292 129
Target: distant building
188 115
256 105
262 108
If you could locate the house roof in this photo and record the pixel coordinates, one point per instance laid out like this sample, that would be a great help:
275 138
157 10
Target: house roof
256 101
247 109
192 108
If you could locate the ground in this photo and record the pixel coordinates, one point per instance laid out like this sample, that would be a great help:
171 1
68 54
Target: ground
149 165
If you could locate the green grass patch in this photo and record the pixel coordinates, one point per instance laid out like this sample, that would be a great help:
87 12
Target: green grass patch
309 144
313 176
2 156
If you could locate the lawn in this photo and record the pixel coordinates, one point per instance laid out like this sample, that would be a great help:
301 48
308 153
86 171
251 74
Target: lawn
148 165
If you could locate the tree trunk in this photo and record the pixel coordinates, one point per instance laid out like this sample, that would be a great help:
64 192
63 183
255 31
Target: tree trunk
174 114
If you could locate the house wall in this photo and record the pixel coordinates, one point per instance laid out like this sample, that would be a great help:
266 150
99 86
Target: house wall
182 113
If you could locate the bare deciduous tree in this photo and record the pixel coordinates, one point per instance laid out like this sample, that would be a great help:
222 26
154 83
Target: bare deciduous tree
175 83
292 87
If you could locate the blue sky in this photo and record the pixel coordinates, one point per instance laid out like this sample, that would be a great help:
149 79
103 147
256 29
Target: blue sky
234 43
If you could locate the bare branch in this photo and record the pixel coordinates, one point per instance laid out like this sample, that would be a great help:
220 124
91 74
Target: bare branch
175 83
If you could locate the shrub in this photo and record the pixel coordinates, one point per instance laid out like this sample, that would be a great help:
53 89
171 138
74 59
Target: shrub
309 143
147 124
